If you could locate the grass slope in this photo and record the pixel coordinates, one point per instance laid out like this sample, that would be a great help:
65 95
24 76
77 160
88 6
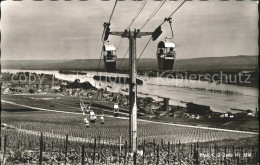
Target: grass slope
113 128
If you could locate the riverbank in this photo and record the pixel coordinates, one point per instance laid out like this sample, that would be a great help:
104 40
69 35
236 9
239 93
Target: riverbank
231 65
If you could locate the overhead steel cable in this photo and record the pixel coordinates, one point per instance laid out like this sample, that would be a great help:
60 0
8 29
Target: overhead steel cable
123 58
144 49
153 14
120 88
112 12
119 44
120 65
177 8
137 14
100 57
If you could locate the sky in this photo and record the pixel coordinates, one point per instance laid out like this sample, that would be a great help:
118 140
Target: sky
58 30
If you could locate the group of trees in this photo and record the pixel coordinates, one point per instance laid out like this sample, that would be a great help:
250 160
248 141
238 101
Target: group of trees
77 84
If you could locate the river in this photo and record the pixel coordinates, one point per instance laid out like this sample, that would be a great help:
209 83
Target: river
176 89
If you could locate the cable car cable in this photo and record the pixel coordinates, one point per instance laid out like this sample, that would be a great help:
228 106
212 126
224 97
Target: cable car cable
119 43
144 49
112 11
153 14
100 57
177 8
120 87
123 58
137 14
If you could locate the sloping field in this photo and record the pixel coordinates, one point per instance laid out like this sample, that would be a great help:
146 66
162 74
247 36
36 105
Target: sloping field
21 115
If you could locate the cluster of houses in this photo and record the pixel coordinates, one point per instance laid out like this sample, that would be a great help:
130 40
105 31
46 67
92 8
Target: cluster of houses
196 111
25 82
234 115
9 88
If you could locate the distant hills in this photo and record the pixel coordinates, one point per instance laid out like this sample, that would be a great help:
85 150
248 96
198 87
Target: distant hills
241 62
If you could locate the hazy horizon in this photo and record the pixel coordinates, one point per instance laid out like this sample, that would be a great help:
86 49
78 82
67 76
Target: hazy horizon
67 30
121 58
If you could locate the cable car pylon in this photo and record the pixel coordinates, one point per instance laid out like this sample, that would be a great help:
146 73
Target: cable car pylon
132 35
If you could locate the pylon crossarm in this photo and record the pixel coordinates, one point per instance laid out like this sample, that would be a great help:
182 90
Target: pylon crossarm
139 34
117 33
127 34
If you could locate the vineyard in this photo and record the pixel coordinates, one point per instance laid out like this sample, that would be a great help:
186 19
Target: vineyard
73 125
158 143
42 148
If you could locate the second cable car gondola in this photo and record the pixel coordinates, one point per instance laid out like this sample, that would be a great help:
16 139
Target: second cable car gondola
165 55
86 122
93 117
116 110
109 52
102 120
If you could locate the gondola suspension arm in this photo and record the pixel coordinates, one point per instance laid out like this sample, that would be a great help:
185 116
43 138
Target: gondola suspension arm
170 22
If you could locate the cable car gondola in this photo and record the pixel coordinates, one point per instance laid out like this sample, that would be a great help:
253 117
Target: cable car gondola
116 110
165 50
109 52
166 55
93 117
102 121
86 122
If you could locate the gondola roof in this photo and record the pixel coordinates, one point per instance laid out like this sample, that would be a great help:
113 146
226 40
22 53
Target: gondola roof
167 44
109 47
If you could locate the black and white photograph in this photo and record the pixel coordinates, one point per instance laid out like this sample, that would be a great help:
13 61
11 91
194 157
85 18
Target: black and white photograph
129 82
